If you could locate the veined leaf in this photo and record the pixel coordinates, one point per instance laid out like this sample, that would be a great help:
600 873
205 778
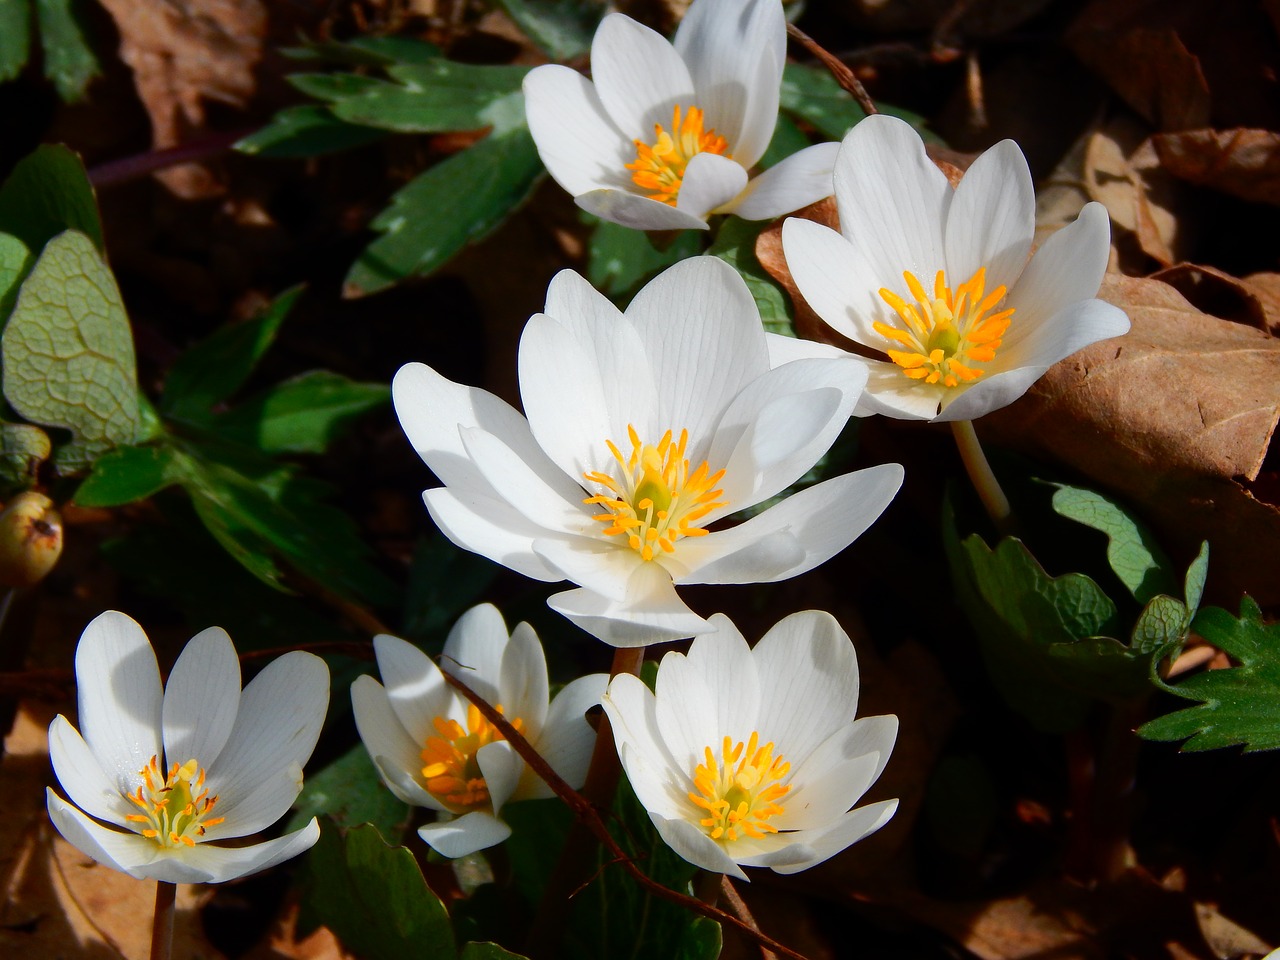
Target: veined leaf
1240 705
15 260
47 193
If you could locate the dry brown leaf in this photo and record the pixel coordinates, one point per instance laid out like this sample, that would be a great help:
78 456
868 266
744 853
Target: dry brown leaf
1121 171
1231 298
1266 288
1225 937
769 252
1242 162
1168 416
183 54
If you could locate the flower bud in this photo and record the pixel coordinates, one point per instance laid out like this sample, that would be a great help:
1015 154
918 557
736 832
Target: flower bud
30 539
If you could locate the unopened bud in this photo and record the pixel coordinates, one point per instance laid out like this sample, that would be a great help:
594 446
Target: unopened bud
30 539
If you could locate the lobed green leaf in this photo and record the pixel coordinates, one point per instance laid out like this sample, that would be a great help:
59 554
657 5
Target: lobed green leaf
310 130
303 414
434 97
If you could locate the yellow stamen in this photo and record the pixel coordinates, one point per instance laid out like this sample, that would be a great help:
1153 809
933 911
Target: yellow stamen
450 767
656 500
659 168
175 807
943 335
739 800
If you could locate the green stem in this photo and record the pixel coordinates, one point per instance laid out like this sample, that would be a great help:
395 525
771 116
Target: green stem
162 923
984 480
577 859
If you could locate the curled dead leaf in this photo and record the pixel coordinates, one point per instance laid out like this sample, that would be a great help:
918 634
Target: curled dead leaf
1253 301
1242 162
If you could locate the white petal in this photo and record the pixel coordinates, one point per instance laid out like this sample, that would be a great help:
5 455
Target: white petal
638 76
735 53
258 807
823 520
836 280
121 850
689 842
711 694
279 720
702 334
1072 329
82 777
489 527
389 746
780 425
892 200
119 696
710 182
812 847
604 566
784 349
566 739
228 863
554 503
991 218
406 787
201 698
458 837
1067 269
583 381
892 394
501 767
838 772
523 688
415 689
808 683
581 147
637 212
474 649
803 178
661 786
650 613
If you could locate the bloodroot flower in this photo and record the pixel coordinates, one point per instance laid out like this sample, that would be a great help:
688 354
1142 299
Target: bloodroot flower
938 281
645 428
173 771
667 133
434 749
752 757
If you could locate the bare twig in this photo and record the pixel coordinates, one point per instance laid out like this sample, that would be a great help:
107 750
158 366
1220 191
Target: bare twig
844 76
586 813
742 912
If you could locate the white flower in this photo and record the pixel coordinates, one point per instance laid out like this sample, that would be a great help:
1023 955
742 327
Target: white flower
643 429
175 770
667 134
434 748
938 279
752 757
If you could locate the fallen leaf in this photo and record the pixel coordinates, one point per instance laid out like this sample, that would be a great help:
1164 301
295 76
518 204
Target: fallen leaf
1254 304
1266 288
1242 162
1123 173
1226 937
808 325
183 54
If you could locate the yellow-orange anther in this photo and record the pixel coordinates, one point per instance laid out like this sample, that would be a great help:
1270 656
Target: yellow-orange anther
659 168
740 793
944 335
657 500
450 767
175 808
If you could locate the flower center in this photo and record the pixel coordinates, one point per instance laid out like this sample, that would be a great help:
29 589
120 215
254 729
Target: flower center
659 168
657 500
175 808
739 800
944 335
451 769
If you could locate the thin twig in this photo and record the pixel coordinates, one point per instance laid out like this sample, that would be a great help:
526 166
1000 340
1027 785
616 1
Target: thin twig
585 812
844 76
742 911
140 165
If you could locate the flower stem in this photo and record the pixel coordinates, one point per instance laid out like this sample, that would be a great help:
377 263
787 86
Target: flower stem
577 859
984 481
162 923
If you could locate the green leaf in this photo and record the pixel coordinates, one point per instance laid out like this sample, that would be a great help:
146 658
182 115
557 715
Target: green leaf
374 898
1197 573
334 86
1132 550
620 258
68 352
68 60
736 246
48 192
216 368
303 414
306 131
366 51
1161 626
350 791
489 951
1240 705
443 582
454 203
15 261
562 29
435 98
128 474
15 37
22 449
812 94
